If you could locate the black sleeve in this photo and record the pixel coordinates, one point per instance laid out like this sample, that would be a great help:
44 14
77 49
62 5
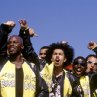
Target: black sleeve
28 51
93 82
41 86
95 50
3 39
4 31
75 83
43 89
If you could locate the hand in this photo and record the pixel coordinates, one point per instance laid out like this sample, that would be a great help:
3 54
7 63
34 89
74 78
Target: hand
23 24
91 45
10 24
32 32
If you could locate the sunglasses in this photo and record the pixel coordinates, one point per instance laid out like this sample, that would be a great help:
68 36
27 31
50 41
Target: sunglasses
79 63
89 62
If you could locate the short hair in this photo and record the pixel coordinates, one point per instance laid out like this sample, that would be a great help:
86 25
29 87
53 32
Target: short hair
44 47
91 55
67 49
79 57
20 39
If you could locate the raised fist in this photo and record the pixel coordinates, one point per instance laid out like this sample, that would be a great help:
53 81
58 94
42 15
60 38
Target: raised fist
91 45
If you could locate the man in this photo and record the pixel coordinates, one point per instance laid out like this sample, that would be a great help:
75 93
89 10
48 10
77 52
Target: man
91 63
42 56
5 29
54 74
18 77
79 79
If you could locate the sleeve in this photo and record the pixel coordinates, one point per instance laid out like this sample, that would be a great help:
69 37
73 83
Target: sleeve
3 39
4 31
28 51
43 91
95 50
93 84
41 86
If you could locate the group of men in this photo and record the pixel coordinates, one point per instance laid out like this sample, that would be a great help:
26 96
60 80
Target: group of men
25 74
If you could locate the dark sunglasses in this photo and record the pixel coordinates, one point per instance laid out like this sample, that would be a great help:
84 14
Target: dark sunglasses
79 63
89 62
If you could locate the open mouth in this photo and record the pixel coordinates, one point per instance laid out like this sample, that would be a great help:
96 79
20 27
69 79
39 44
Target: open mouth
11 48
91 69
57 60
78 69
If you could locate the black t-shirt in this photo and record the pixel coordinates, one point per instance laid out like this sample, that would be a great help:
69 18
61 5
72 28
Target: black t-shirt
19 82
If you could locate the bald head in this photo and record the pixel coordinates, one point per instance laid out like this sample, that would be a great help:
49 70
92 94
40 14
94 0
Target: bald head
15 45
17 37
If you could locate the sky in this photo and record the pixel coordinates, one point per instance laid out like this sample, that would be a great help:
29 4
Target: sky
74 21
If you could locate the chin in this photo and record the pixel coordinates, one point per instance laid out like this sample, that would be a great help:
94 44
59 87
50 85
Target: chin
78 73
58 65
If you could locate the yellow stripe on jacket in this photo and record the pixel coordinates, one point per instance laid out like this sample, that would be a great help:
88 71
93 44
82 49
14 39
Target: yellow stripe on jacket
7 80
84 81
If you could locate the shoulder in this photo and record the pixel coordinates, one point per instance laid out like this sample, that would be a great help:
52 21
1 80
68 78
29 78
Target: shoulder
94 77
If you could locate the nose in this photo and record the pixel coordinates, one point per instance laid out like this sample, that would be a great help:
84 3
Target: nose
79 65
57 56
11 43
92 65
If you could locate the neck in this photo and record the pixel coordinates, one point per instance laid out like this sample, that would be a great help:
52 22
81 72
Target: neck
58 71
17 60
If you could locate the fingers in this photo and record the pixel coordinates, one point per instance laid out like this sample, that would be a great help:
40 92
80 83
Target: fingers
10 23
32 32
23 23
91 45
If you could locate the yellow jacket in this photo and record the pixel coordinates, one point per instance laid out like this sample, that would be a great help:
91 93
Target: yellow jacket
47 74
7 80
85 84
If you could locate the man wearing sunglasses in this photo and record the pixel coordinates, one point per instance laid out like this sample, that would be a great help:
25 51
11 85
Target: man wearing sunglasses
91 63
79 79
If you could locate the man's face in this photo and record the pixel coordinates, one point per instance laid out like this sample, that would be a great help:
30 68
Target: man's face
14 45
58 58
92 64
79 67
42 53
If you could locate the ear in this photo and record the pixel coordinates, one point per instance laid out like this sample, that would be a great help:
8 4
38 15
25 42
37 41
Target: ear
22 47
51 59
7 52
65 59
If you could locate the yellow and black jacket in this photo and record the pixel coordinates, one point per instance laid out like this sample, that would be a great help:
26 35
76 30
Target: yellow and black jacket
47 74
8 81
80 85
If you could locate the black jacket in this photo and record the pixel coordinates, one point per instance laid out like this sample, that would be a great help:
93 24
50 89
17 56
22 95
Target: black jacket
41 87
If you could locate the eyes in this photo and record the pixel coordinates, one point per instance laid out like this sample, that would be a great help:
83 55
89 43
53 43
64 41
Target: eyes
57 54
42 53
12 42
90 62
79 63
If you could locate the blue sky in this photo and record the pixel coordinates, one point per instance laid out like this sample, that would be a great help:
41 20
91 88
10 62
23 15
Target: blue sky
74 21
